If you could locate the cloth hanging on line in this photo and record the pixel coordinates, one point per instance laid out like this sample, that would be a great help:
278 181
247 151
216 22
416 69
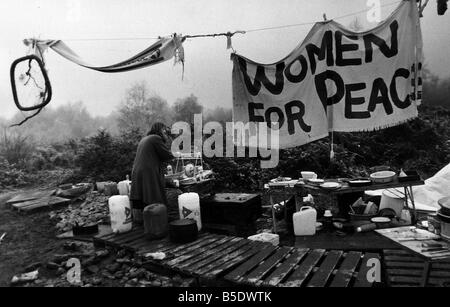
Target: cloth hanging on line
335 80
162 50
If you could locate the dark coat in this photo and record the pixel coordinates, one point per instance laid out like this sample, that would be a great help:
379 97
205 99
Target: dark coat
147 177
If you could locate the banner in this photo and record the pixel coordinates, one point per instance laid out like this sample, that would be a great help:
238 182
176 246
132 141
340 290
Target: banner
335 80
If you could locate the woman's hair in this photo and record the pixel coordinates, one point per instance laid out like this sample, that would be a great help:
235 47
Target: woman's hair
157 128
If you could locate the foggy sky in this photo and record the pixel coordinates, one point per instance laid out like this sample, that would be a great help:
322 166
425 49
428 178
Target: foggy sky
208 66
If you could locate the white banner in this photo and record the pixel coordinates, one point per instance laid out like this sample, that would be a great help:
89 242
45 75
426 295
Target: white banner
335 80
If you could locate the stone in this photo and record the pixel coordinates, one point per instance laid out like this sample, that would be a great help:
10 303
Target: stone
125 260
119 275
32 267
60 271
102 253
108 275
93 269
97 281
156 283
113 267
52 266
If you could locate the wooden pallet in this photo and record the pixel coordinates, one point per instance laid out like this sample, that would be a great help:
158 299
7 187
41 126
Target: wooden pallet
243 261
207 257
43 203
404 269
293 267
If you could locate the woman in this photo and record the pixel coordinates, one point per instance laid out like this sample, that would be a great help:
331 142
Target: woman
147 177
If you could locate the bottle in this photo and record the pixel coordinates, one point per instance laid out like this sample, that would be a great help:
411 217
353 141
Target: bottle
328 220
366 227
305 221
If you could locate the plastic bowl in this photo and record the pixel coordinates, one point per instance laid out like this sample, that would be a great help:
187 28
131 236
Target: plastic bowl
382 176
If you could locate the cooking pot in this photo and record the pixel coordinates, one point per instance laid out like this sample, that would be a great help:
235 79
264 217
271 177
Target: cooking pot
445 205
183 231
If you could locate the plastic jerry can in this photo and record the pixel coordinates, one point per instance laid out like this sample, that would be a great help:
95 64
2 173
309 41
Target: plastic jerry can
189 207
120 213
156 225
305 221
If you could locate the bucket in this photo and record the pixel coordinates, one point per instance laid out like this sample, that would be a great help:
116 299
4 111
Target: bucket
445 225
392 200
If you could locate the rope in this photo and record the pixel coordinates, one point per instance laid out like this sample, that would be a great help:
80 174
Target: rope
229 34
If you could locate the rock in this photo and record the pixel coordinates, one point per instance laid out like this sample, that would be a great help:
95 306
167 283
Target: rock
108 275
145 283
136 273
52 266
71 246
124 260
89 261
32 267
97 281
133 281
60 271
93 269
102 253
113 267
119 275
122 253
39 281
156 283
87 286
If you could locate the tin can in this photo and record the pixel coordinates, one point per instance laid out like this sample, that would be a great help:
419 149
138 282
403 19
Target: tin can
434 225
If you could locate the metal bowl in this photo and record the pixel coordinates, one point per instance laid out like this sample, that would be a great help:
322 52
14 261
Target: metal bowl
382 176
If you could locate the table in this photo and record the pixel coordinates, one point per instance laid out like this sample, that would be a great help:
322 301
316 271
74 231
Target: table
412 239
293 188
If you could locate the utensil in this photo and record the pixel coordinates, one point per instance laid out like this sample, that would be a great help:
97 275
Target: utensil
1 238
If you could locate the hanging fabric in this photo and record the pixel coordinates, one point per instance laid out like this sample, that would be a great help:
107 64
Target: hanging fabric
164 49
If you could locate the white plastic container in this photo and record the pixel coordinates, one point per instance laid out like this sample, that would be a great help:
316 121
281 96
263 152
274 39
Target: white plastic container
266 237
124 187
120 213
305 221
393 200
189 207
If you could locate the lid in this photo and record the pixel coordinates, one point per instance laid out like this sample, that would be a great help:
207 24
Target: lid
183 222
445 202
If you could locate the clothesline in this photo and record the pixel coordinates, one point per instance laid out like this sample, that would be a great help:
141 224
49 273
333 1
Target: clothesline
229 34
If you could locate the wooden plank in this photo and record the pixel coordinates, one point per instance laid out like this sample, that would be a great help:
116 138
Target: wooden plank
237 274
346 270
325 270
133 236
305 268
361 279
200 253
216 266
256 275
286 267
165 245
41 204
418 273
27 196
193 266
193 248
417 281
236 261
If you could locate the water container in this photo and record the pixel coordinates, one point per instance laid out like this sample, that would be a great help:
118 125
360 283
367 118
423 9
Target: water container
392 199
120 213
124 187
189 206
155 221
305 221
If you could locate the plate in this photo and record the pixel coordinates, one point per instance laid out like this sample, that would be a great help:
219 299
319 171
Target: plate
330 185
316 181
380 219
281 179
359 182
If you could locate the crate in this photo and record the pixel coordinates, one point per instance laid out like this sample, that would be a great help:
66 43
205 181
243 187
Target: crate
230 208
